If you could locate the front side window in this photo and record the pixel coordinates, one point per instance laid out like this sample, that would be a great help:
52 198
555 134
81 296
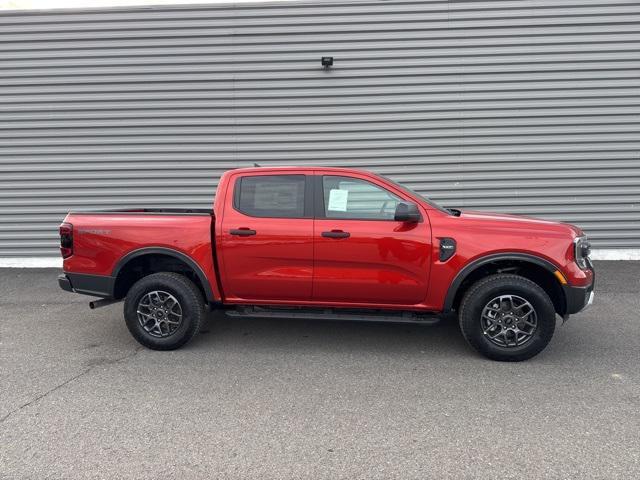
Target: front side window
278 196
352 198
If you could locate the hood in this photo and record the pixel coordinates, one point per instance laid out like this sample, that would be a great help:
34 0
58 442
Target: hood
520 222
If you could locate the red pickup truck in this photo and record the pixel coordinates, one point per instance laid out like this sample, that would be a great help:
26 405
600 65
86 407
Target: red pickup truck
330 243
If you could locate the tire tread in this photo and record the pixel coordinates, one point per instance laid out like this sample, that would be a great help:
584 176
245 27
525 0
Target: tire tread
195 299
466 323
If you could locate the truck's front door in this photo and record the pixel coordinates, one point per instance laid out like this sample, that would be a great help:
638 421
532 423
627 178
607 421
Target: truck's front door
266 239
362 255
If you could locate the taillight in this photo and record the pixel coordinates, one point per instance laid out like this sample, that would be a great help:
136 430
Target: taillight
66 240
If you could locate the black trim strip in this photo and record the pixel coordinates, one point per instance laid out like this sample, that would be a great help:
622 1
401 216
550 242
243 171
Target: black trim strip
96 285
309 195
466 271
242 232
172 253
64 283
576 298
149 211
318 198
336 234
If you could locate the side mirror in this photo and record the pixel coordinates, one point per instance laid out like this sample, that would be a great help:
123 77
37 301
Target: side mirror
407 212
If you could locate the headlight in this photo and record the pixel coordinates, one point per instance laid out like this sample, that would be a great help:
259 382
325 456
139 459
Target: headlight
582 250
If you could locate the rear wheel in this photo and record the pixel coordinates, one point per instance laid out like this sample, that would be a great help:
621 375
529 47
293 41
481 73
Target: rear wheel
507 317
163 311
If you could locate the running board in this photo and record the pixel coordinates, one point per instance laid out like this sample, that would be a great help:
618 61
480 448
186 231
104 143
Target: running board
334 314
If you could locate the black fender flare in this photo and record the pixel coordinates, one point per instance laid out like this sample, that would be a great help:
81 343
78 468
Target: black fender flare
171 253
472 266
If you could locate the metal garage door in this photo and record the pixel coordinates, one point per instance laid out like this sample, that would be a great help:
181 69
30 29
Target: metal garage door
515 106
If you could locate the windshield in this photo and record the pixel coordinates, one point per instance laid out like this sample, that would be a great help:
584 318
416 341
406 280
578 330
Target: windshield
416 194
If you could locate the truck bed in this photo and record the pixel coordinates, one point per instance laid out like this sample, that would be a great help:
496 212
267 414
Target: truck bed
105 240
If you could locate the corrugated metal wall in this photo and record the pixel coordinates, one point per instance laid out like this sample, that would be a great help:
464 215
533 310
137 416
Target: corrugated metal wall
514 106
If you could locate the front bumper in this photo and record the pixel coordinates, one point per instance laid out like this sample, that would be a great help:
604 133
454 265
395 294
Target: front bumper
578 298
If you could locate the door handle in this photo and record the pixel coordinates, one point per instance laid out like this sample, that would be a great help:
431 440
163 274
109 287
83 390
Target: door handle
336 234
242 232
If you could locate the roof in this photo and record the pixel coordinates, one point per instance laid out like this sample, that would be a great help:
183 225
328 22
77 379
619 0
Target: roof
298 169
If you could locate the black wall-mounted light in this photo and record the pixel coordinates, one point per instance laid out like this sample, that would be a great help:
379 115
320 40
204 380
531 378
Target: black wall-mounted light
326 62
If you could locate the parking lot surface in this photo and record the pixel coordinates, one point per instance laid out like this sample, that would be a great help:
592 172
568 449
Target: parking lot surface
276 399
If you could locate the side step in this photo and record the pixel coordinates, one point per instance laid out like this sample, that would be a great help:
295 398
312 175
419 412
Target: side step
334 314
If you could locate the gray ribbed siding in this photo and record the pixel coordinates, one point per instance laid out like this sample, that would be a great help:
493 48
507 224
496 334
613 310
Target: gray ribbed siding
527 107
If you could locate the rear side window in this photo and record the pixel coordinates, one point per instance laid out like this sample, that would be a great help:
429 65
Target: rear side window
278 196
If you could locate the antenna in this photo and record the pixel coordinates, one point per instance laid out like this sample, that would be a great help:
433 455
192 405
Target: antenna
255 164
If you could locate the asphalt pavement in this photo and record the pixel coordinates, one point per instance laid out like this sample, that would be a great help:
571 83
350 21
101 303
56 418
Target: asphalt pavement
279 399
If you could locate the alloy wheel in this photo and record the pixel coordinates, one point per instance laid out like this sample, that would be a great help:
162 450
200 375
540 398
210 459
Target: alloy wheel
159 313
509 321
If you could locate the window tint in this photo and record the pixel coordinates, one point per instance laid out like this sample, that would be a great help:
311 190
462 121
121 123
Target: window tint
346 197
280 196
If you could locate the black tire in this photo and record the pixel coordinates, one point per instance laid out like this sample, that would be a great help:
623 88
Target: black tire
482 293
191 305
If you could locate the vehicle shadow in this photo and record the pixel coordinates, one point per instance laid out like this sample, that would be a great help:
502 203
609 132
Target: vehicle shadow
296 335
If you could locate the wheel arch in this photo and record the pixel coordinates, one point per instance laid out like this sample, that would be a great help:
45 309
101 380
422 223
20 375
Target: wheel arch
535 268
142 262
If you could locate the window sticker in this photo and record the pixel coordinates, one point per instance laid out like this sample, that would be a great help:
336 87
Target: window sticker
338 200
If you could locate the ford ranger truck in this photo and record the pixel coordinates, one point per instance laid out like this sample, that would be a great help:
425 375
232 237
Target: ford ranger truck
330 243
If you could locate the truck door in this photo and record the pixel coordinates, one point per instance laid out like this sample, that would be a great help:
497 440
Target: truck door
266 242
362 255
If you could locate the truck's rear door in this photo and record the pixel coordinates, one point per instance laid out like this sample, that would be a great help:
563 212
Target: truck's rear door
266 238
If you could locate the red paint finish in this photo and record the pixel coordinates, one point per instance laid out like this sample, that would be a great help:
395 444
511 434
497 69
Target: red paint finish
275 264
382 261
481 234
382 264
102 239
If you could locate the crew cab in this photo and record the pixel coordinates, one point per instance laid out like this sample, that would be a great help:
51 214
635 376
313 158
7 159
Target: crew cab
330 243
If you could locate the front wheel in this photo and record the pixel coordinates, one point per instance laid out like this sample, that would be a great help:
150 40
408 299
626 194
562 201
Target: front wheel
163 311
507 317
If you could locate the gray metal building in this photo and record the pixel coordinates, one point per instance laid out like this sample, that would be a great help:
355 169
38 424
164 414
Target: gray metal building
529 107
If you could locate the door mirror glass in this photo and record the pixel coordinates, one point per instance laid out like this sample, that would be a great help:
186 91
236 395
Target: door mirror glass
407 212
